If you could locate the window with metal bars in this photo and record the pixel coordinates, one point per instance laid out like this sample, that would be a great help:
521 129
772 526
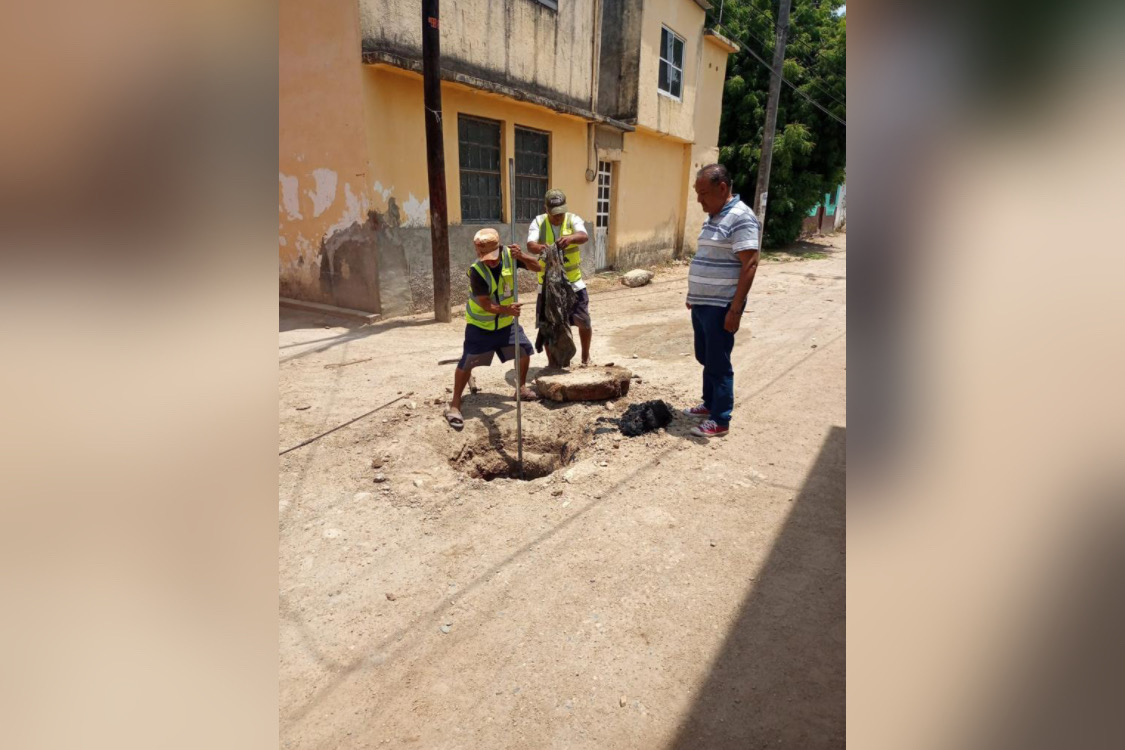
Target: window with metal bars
533 152
478 143
604 177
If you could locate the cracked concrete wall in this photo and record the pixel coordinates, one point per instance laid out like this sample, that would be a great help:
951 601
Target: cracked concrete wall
518 43
327 249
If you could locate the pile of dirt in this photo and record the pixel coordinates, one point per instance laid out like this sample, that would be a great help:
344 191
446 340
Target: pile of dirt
645 417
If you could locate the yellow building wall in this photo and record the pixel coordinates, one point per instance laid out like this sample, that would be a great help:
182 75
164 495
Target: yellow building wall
705 150
647 227
323 186
656 110
393 101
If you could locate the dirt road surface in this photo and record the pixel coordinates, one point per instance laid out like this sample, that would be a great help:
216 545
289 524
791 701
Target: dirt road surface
655 592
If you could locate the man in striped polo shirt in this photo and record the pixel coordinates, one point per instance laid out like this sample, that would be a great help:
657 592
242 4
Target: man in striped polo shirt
718 282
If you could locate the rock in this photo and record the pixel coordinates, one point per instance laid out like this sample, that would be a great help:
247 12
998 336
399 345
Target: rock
419 482
637 277
609 405
302 408
379 478
589 384
362 497
634 356
621 701
557 492
411 405
391 597
617 438
602 464
377 463
712 544
814 346
445 628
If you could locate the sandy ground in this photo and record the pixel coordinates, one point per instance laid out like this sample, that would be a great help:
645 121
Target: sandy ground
655 592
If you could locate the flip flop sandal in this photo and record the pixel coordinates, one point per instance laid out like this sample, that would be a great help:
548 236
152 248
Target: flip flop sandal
453 416
527 394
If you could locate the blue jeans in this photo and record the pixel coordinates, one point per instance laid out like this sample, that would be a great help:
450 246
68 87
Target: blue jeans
713 345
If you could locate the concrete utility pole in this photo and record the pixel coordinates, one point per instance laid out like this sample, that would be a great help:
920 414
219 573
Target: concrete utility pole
771 118
435 156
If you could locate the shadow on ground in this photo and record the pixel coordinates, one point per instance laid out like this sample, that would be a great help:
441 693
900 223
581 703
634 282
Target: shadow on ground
291 320
779 680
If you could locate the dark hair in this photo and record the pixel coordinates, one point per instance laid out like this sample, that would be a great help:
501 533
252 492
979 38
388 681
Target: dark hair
716 173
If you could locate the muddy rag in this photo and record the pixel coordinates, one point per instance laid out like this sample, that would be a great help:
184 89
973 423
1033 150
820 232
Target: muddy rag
554 314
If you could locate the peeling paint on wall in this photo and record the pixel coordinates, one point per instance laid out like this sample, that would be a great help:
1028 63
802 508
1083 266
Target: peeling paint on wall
384 193
325 192
289 197
282 241
417 213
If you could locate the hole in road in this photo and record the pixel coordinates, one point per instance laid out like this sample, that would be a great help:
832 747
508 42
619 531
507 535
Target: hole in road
495 456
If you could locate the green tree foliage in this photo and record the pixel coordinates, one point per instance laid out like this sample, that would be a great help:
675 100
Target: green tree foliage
810 148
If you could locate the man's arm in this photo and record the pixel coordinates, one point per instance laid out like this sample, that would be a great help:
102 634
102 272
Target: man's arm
749 260
533 243
579 237
524 259
492 308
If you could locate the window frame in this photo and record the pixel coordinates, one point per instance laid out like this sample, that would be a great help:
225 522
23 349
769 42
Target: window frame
462 117
546 179
671 63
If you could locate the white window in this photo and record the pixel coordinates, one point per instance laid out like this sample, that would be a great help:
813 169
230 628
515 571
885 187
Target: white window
671 63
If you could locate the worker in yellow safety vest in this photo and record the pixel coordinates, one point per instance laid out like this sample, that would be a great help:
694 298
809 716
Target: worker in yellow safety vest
568 230
490 313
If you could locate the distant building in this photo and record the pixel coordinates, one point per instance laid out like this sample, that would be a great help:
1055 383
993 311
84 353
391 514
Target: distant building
617 102
828 215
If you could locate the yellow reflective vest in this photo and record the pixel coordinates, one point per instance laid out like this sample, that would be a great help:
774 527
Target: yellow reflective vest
503 293
572 256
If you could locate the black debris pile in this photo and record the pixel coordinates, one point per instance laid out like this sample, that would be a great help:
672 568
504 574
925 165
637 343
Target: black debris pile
645 417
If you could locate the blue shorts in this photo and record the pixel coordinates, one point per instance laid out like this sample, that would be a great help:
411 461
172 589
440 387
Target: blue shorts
481 345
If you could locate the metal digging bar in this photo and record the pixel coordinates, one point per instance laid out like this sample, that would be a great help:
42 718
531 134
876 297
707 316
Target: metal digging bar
516 323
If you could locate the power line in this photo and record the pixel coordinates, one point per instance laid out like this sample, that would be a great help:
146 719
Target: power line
815 80
811 101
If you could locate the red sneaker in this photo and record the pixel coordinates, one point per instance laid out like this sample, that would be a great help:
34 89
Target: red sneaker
698 411
709 429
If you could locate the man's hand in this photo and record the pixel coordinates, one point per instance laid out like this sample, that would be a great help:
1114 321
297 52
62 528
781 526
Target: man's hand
687 305
733 319
563 242
516 252
513 310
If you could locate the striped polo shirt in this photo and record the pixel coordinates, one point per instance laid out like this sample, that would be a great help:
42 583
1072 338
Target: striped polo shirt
714 273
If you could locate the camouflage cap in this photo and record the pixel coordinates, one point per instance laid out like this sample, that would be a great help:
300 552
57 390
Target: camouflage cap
555 201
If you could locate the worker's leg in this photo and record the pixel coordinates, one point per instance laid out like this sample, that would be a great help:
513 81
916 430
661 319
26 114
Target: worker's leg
525 362
697 316
580 316
460 380
585 333
717 365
